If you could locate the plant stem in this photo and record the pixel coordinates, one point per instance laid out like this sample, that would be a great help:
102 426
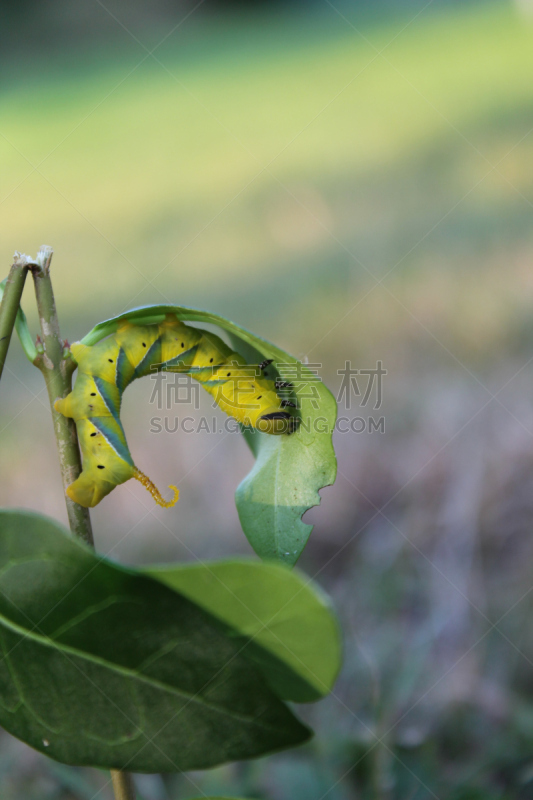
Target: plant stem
10 303
122 785
57 367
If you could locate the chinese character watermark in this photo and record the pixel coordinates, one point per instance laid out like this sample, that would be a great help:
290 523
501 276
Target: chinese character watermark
171 389
349 385
296 384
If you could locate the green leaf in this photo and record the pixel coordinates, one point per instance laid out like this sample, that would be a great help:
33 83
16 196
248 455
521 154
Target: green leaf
108 667
289 470
284 621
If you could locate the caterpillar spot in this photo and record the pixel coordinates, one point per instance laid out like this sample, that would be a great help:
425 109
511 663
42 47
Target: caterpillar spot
100 466
110 360
229 373
260 396
144 344
182 344
210 360
93 394
288 404
265 363
93 434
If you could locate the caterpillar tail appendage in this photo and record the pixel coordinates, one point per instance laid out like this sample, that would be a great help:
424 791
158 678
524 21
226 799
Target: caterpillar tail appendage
154 491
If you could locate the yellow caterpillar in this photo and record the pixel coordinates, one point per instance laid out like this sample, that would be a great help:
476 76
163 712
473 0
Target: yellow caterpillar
106 368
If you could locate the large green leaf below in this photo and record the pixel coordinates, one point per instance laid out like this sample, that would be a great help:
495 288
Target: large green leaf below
289 470
104 666
284 622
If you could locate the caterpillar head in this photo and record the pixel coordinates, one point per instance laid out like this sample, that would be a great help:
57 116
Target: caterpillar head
277 422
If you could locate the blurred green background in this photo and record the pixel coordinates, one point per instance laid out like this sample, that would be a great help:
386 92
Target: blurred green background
354 181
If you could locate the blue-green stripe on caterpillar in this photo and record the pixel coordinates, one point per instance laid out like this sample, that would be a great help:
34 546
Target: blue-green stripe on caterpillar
106 368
